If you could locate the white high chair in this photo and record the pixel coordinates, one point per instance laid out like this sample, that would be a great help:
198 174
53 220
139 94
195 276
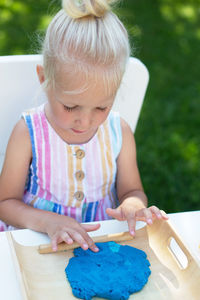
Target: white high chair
19 88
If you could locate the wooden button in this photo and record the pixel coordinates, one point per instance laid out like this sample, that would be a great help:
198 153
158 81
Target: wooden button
80 153
79 175
79 195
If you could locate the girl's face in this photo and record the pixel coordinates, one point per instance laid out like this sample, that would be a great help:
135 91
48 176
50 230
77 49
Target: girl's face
77 116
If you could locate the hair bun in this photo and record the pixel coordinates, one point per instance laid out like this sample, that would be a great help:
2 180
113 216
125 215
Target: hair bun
83 8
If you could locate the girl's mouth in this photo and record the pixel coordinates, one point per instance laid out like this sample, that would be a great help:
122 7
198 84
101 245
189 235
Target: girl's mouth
78 131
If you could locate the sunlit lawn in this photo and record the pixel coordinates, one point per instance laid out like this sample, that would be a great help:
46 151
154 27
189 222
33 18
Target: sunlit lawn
165 35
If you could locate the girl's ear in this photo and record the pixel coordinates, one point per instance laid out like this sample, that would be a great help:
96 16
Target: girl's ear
40 73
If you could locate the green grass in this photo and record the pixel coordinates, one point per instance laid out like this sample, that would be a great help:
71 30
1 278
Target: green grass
165 35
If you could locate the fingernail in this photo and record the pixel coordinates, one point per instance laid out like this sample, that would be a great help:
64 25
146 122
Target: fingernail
85 246
132 232
159 216
69 241
94 248
149 221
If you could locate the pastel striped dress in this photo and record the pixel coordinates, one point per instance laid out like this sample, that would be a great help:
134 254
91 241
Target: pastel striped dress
72 180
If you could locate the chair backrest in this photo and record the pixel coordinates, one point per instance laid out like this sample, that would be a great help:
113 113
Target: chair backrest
19 87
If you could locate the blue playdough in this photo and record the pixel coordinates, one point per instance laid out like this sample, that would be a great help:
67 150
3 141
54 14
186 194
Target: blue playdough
114 272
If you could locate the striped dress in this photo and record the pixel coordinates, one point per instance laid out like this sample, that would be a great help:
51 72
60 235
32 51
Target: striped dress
74 180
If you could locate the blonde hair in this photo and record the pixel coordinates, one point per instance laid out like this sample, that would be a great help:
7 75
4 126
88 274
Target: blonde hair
87 36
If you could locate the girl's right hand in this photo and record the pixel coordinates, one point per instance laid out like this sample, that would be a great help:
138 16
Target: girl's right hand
65 229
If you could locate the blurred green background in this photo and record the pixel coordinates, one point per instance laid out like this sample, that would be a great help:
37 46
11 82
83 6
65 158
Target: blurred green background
165 35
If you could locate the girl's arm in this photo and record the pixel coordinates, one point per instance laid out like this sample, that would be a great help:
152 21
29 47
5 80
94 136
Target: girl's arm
133 201
15 212
13 176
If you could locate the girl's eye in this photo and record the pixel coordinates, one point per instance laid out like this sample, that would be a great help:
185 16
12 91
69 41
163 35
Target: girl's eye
67 108
102 108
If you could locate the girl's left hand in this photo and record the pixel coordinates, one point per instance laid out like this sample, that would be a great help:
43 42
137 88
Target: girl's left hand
132 210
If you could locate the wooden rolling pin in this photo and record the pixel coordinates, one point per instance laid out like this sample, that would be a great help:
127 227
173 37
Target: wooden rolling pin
117 237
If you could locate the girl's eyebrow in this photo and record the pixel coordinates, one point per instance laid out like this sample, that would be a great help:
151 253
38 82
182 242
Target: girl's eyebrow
74 103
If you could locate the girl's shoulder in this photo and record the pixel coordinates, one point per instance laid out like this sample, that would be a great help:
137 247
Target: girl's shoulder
16 163
20 138
126 129
113 115
19 146
117 123
20 132
34 119
114 121
33 111
112 128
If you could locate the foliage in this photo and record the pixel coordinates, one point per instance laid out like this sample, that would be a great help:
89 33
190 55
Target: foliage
166 35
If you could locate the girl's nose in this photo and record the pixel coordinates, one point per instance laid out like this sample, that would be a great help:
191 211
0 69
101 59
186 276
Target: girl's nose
84 120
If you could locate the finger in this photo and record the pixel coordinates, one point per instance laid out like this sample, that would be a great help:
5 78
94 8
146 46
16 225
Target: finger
77 236
164 215
92 245
160 214
156 212
145 215
129 215
131 220
84 240
90 227
115 213
58 238
64 236
148 216
89 240
54 243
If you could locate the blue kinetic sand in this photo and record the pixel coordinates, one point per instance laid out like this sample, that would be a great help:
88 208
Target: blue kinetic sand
114 272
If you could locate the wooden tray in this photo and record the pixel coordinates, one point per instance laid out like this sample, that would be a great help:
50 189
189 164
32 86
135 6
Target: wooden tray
42 276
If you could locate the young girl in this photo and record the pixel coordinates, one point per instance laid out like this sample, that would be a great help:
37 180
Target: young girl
72 159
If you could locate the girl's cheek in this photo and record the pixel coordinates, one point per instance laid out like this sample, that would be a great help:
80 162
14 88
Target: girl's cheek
104 115
64 118
99 119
